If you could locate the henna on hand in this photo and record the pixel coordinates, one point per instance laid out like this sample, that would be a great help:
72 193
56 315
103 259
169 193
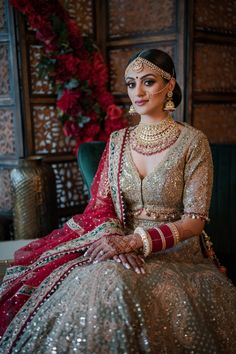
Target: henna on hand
109 246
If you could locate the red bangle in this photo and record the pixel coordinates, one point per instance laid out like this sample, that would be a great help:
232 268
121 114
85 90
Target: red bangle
157 244
162 238
168 235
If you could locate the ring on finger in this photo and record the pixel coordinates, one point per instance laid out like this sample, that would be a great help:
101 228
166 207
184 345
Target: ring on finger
101 253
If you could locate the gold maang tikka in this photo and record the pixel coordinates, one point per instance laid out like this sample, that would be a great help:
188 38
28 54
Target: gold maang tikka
137 65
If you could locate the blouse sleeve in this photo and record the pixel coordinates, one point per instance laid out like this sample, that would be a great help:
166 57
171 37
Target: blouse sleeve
198 178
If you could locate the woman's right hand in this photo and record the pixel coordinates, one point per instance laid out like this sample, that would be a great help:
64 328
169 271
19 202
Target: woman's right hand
131 261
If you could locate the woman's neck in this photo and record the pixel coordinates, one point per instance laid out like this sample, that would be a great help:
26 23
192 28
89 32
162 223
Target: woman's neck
154 119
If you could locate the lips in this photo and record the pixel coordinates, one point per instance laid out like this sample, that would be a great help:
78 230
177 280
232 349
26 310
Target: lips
141 102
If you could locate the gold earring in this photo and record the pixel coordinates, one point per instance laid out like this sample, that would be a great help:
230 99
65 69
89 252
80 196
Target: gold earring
132 110
169 104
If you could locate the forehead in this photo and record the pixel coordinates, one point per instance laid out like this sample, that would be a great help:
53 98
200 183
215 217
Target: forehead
146 70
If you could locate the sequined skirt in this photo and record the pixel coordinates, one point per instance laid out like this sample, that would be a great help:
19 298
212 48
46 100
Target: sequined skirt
183 304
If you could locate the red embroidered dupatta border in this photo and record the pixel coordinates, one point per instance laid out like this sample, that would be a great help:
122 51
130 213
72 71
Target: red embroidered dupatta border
35 263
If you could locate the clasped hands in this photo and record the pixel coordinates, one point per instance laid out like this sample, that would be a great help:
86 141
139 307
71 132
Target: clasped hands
120 248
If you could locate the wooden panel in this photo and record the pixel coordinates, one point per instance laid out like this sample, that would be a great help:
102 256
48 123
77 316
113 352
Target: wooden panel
70 187
118 59
7 135
217 121
82 12
214 68
216 15
48 133
132 18
5 188
4 71
38 85
3 22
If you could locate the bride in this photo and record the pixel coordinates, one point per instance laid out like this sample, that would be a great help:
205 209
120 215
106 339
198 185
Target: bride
128 275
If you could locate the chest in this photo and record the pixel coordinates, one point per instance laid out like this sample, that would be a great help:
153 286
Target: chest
146 164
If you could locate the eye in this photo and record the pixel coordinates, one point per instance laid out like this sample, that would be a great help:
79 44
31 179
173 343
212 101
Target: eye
130 84
149 82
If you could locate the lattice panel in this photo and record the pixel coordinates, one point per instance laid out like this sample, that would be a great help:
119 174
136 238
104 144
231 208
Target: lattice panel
5 188
38 86
7 138
215 15
4 71
140 17
48 133
82 12
118 61
2 16
217 121
70 187
214 68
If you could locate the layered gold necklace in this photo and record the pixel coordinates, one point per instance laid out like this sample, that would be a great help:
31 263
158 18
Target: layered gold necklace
149 139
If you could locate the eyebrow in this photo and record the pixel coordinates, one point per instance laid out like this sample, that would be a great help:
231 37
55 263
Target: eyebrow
142 77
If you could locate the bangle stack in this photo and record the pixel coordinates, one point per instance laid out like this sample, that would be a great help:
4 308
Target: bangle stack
147 241
158 238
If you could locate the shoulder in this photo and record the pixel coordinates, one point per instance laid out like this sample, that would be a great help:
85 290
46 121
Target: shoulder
193 135
195 143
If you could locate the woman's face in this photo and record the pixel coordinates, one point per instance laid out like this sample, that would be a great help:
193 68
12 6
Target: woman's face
143 90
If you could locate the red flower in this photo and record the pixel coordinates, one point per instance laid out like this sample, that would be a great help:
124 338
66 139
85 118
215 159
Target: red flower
114 112
102 136
114 120
105 99
84 70
71 128
69 102
67 67
93 116
91 130
39 23
114 124
75 37
100 75
22 5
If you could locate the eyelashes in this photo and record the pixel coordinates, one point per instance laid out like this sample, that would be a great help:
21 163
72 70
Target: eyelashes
130 84
147 83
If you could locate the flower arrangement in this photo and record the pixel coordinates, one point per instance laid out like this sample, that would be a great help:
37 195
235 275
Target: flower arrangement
77 71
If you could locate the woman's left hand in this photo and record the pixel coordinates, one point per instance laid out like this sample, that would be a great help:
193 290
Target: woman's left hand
131 261
109 246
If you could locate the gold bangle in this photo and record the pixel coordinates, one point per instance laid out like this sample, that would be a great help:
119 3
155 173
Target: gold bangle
175 232
146 239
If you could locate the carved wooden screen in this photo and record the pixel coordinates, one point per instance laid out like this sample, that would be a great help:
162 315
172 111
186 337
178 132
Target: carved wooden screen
214 69
120 28
10 114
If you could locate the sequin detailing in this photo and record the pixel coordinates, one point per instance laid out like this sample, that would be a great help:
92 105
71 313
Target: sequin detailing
180 184
183 304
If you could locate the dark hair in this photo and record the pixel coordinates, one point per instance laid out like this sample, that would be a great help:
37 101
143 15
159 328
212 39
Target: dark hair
163 61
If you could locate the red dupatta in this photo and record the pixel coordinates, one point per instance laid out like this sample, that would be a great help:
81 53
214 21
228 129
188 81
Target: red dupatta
39 267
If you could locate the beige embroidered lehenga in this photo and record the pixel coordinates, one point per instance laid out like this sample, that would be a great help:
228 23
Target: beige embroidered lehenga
183 304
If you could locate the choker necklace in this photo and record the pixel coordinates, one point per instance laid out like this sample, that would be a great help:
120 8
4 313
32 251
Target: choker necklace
148 139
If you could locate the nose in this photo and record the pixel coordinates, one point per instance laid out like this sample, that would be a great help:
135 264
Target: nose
139 92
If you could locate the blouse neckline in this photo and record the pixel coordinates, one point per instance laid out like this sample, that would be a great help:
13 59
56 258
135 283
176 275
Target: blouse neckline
167 155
